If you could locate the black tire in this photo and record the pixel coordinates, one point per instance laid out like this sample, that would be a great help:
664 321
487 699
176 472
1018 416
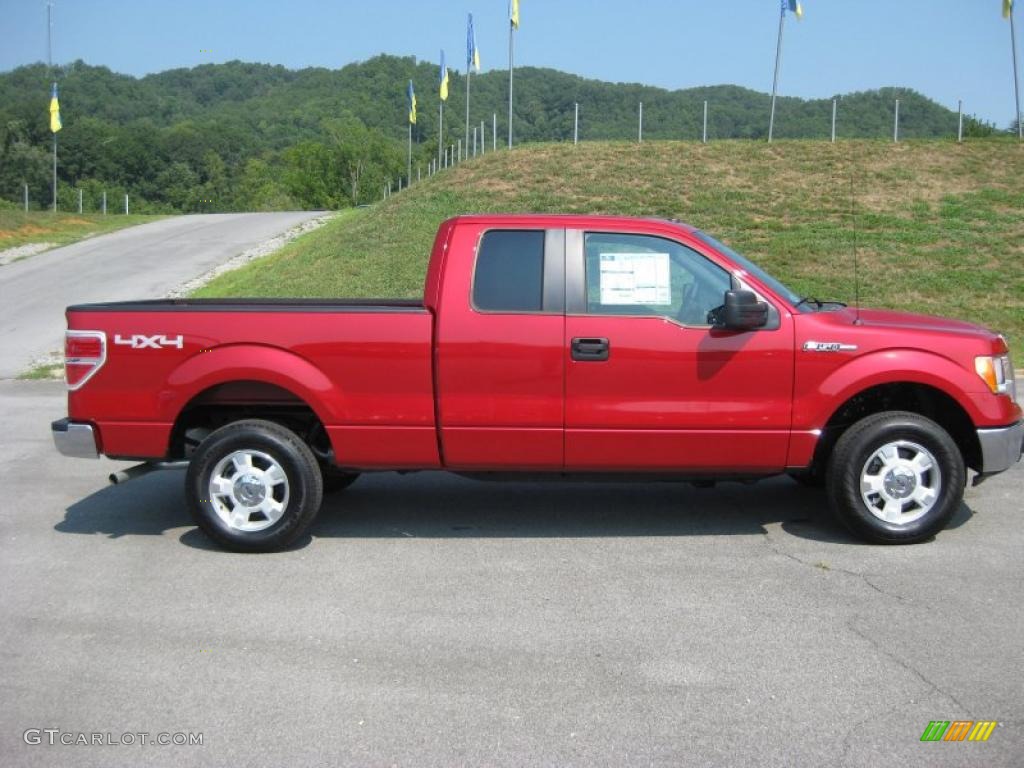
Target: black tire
282 473
337 480
905 433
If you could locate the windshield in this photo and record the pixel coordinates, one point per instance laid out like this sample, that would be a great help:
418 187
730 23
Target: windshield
750 267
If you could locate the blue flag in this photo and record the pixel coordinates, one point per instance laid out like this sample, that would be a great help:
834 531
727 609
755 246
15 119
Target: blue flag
442 79
472 52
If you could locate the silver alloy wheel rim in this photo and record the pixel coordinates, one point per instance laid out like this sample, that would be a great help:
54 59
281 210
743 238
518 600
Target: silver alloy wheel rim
249 490
900 482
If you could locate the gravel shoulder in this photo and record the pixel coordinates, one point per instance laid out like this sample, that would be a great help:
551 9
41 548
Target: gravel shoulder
266 248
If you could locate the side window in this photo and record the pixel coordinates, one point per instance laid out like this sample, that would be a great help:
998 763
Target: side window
645 275
509 273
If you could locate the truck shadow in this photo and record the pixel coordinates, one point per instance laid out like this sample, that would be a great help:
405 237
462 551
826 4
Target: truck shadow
436 505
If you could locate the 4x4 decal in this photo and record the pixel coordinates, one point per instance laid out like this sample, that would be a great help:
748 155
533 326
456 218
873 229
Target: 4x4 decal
139 341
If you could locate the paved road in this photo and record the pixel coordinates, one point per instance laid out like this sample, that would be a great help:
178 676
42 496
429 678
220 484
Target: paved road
143 262
435 621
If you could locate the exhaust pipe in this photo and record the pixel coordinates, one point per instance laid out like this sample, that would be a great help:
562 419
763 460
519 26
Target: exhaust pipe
124 475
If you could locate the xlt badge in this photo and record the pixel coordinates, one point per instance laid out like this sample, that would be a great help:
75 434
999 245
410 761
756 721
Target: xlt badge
828 346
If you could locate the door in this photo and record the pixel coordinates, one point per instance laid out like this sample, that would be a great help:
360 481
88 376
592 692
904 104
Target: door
649 384
500 367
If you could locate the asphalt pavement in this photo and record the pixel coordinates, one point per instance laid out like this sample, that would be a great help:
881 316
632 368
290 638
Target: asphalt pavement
143 262
436 621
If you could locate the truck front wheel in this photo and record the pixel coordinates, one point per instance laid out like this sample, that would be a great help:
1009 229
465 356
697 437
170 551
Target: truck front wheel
254 486
896 478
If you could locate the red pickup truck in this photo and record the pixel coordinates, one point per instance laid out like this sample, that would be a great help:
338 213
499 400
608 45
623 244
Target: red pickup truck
571 345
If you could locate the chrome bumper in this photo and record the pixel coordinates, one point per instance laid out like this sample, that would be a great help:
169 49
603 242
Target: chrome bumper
1001 448
73 439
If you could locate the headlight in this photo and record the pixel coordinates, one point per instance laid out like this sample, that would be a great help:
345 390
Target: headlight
997 373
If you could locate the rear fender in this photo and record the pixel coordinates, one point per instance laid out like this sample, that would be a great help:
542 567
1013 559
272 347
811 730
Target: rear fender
251 362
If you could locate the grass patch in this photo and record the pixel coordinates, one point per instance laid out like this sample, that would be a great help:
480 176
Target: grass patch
20 228
939 226
48 371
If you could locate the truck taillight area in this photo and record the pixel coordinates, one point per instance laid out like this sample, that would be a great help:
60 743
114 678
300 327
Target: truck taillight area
84 354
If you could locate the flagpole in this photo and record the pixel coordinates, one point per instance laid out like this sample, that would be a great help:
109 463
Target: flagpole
440 133
511 59
1016 83
49 61
468 67
410 154
55 173
775 81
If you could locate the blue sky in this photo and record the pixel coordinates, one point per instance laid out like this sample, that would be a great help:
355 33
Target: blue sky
948 49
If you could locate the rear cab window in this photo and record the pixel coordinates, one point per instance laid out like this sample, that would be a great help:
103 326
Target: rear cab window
509 274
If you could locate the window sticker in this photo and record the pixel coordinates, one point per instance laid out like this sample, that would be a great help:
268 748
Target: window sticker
635 278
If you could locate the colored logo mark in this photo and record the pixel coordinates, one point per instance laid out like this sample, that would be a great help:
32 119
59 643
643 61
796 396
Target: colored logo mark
958 730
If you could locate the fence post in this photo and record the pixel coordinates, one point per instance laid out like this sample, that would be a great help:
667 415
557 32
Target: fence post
104 202
705 139
474 141
640 126
459 155
896 123
26 198
833 121
125 203
959 121
576 125
79 200
494 132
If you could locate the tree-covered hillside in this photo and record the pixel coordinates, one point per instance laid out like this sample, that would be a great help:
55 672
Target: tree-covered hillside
253 136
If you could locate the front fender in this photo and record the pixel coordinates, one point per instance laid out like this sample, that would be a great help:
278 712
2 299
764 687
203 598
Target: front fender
815 404
250 362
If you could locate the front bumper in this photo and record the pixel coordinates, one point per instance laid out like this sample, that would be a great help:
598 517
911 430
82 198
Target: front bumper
75 439
1001 448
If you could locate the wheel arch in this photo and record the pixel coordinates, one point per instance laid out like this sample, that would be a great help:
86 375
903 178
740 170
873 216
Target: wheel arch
913 396
248 381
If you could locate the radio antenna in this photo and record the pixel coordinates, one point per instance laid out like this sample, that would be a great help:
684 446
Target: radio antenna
853 225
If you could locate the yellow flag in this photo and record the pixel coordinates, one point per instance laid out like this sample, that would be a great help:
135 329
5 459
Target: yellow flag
55 123
514 15
1007 8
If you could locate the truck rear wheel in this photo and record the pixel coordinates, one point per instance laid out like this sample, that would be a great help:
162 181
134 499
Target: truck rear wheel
254 486
896 478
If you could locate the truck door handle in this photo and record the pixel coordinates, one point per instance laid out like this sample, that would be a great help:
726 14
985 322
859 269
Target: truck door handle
589 350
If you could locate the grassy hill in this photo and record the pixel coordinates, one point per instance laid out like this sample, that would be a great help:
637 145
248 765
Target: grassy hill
243 136
939 226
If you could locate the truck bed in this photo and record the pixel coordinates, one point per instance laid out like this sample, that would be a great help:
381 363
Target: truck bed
364 366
